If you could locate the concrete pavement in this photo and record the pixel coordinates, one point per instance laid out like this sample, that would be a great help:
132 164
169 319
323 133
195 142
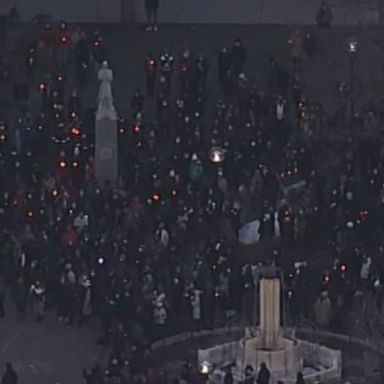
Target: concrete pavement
281 12
48 352
298 12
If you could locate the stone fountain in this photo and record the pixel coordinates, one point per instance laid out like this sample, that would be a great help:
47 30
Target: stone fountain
268 343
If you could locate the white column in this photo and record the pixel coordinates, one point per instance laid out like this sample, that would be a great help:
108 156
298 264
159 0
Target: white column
270 312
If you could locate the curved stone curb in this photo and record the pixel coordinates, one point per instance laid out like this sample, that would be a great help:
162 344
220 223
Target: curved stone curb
187 336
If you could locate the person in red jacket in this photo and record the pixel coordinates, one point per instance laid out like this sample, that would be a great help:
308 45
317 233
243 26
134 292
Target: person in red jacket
68 237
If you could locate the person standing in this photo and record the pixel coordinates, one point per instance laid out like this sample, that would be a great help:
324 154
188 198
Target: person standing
196 308
323 309
10 376
264 375
151 7
300 378
38 297
238 57
228 378
249 375
324 16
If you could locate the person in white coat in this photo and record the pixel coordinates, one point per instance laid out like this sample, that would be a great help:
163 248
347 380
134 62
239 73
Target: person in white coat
160 318
196 307
81 222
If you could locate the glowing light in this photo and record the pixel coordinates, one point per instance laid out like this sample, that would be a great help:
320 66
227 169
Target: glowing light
55 192
42 87
75 131
326 278
343 267
362 213
217 155
205 368
75 164
29 213
62 164
353 45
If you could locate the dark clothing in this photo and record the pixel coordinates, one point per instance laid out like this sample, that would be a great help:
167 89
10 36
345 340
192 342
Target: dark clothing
324 17
152 5
223 64
249 380
9 376
264 376
238 59
228 378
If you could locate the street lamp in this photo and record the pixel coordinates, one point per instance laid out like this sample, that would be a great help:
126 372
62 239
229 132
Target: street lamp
217 155
352 48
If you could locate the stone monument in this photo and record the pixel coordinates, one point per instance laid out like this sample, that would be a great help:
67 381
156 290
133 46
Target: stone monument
270 313
284 356
269 346
106 164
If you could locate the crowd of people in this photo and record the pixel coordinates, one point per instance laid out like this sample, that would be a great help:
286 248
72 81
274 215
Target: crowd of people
157 253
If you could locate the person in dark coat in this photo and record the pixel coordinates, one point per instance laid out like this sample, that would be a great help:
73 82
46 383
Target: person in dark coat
223 64
300 378
238 57
249 375
228 378
10 376
264 375
324 16
151 7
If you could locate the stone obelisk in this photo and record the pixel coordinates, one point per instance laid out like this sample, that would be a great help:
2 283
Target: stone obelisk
269 306
106 162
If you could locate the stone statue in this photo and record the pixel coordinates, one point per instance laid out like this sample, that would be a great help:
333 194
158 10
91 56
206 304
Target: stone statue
105 97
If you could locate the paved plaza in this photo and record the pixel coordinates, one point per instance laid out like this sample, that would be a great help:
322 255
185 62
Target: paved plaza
49 352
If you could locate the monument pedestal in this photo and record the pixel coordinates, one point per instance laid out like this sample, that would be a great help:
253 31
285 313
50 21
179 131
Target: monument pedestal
106 162
282 361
